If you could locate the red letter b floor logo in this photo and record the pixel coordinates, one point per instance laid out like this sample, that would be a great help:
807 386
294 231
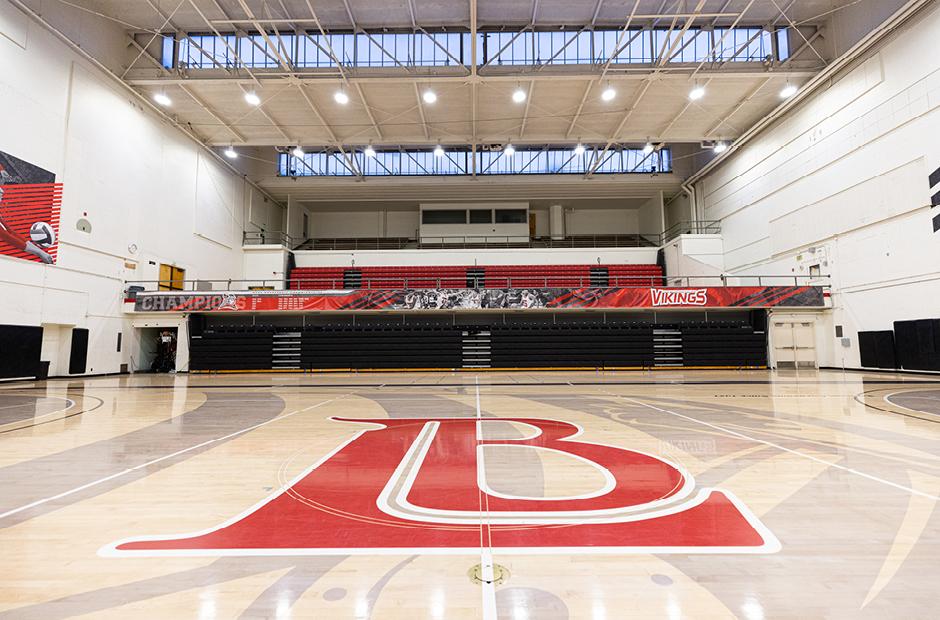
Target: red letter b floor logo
419 486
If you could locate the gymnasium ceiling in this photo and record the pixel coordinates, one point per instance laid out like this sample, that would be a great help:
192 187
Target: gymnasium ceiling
474 106
563 103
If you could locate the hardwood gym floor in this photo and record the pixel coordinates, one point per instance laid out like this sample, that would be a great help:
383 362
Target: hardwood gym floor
686 495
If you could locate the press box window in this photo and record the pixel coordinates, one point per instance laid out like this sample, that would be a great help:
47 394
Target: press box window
511 216
444 216
481 216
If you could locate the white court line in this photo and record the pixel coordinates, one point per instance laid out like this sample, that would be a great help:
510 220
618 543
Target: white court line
487 574
46 500
779 447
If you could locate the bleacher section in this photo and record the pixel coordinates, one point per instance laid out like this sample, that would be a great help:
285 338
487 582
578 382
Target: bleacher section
489 276
622 344
575 346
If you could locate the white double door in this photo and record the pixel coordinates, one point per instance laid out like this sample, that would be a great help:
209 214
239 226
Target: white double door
794 342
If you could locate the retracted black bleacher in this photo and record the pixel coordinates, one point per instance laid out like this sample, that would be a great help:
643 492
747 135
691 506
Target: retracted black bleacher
619 344
411 346
592 345
232 348
723 343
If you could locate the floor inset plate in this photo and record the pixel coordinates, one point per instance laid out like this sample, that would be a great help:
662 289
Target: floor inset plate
500 574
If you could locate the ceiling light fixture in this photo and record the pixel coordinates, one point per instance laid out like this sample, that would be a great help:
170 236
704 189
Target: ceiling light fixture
788 91
697 93
162 99
509 150
720 147
298 152
231 153
518 95
438 151
648 148
429 96
370 152
341 97
609 93
579 150
252 98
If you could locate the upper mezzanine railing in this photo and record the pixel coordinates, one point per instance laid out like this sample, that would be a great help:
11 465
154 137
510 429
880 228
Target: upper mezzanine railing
437 242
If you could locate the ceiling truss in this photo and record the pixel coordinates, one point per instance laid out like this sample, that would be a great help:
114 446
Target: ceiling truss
386 105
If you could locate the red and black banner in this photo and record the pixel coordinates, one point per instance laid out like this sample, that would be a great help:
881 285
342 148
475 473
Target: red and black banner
29 211
485 299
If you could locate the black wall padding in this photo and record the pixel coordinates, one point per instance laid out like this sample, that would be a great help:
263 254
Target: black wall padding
877 349
917 344
20 350
78 358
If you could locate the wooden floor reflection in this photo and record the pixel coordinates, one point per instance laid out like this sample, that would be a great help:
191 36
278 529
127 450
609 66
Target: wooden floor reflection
843 469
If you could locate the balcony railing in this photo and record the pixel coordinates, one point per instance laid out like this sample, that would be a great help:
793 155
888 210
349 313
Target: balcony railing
701 227
262 237
529 282
432 242
437 242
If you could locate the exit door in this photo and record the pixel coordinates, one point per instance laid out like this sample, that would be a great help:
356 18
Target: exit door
794 343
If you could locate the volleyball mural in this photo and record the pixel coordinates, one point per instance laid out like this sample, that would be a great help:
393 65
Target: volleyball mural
29 211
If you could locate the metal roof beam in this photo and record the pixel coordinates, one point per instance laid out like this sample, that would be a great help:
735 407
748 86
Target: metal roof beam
634 74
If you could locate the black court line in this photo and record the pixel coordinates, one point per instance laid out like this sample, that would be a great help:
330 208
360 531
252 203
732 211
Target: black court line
65 417
892 412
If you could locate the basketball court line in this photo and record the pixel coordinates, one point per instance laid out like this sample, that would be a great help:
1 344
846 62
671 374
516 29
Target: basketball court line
115 475
487 572
778 446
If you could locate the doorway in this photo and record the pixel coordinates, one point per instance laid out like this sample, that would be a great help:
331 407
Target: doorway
152 349
794 342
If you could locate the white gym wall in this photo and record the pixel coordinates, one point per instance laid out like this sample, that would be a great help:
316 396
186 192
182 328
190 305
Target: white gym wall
140 181
842 182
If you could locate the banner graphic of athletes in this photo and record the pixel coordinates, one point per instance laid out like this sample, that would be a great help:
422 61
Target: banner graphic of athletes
29 211
485 299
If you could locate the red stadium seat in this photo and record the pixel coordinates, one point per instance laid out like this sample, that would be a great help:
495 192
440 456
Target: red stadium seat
494 276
